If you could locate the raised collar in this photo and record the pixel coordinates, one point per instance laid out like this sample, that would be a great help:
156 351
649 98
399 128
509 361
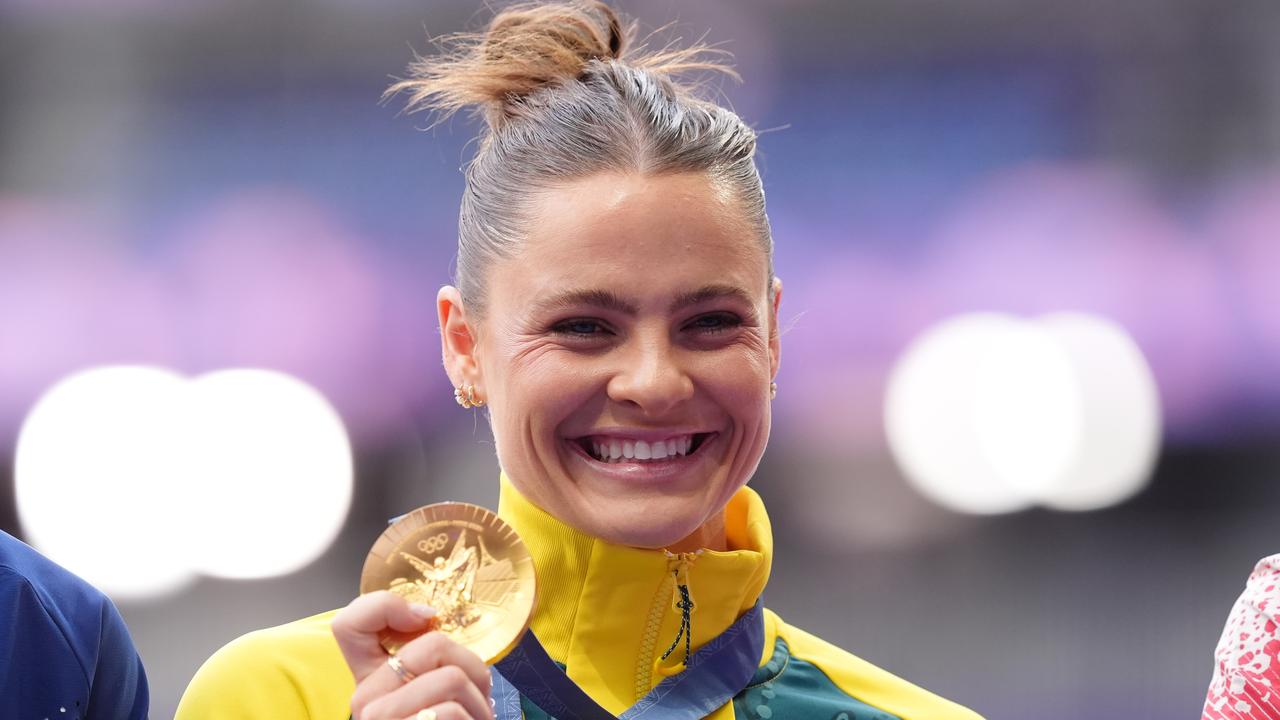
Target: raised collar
607 612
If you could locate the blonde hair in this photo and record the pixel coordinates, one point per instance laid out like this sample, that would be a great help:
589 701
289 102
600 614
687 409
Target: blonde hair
564 96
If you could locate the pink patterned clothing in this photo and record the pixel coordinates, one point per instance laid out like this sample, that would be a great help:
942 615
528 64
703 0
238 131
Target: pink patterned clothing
1246 674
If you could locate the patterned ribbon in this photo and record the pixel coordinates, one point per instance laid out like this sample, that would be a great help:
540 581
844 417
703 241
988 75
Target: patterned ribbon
712 677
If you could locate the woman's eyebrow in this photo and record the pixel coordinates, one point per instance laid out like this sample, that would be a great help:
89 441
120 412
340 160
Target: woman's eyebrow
711 292
603 299
608 300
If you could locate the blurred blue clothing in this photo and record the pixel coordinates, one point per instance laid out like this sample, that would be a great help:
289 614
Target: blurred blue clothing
65 653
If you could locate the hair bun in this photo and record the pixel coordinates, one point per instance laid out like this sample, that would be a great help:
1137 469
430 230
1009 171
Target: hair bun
559 36
526 47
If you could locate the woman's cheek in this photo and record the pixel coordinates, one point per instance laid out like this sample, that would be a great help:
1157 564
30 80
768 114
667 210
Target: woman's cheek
741 379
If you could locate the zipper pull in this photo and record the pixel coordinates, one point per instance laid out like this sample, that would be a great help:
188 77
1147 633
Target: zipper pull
683 601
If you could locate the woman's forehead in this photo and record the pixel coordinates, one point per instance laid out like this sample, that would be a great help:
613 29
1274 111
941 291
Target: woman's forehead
602 208
635 239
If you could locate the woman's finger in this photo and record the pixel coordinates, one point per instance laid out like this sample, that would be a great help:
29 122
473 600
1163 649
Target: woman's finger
439 687
436 650
421 656
357 626
447 711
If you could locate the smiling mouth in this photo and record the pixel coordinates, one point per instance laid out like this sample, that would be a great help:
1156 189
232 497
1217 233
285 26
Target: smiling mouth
614 450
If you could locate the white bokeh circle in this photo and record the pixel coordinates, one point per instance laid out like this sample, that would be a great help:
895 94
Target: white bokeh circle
929 415
139 479
271 457
1120 418
988 413
1026 409
91 476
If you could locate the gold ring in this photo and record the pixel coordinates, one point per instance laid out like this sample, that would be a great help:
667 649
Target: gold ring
394 663
425 715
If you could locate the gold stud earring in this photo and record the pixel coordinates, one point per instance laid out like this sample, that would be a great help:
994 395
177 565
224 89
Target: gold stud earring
773 390
465 395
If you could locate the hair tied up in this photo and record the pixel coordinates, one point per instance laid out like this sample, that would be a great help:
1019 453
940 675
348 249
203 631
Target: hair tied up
528 47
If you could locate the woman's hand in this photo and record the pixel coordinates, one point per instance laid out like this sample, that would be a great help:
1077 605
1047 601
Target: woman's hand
445 677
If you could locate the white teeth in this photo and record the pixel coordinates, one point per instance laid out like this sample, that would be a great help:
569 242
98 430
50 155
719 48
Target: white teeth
615 450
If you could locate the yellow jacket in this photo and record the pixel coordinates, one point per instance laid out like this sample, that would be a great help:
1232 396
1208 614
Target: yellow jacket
606 613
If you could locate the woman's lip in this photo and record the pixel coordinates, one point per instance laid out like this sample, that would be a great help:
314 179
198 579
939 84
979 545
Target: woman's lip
648 436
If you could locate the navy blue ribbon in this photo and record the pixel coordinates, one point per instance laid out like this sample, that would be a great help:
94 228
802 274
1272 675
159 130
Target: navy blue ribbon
712 676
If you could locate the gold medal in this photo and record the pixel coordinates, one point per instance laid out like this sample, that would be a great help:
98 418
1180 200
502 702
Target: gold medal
466 563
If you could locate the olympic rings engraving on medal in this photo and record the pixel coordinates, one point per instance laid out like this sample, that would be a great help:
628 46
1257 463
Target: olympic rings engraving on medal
434 544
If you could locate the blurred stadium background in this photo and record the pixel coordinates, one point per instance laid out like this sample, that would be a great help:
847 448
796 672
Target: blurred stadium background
213 184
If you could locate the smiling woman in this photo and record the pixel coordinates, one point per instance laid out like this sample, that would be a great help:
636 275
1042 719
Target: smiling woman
616 313
659 327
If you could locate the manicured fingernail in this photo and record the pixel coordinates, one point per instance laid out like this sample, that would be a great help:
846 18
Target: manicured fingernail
422 612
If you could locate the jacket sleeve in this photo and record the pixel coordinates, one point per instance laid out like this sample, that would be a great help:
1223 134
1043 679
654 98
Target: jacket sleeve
269 675
119 686
64 649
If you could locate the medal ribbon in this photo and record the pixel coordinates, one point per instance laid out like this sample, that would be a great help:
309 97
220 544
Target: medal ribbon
712 676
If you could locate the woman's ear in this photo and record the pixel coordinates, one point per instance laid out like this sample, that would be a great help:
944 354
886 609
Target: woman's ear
775 333
457 340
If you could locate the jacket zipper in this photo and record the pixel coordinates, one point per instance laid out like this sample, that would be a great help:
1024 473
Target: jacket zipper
667 595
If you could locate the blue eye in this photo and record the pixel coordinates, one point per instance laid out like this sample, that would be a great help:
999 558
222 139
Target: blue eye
714 323
579 328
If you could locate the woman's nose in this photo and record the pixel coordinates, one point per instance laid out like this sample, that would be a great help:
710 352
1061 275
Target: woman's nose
650 377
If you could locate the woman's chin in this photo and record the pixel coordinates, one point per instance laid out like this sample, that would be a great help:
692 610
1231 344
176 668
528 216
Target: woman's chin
636 529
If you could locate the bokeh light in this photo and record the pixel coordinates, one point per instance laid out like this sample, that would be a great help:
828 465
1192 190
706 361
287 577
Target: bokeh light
989 413
1026 408
139 479
270 468
96 484
1119 422
930 407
